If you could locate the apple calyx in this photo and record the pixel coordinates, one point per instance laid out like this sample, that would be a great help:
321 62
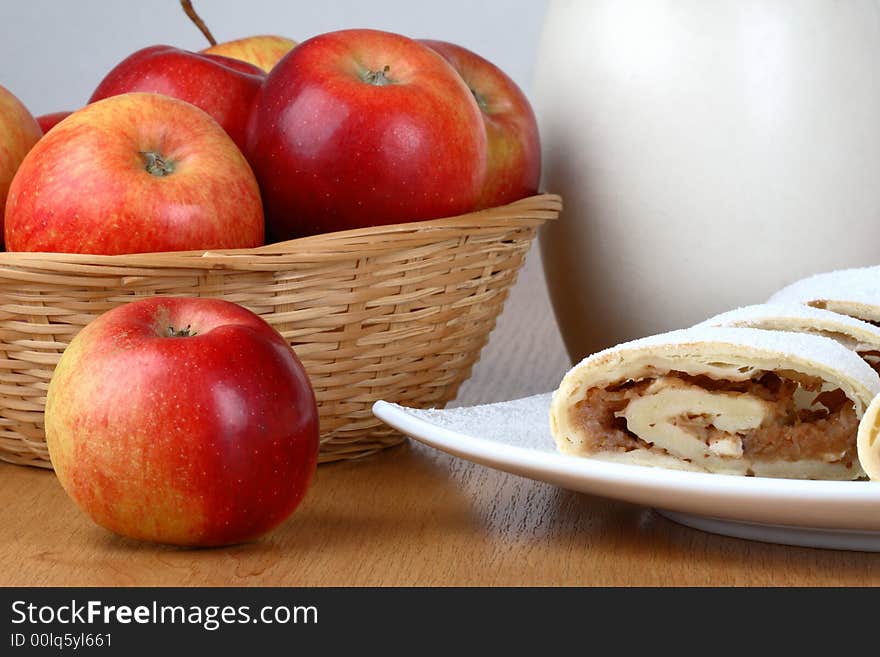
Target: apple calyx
156 165
378 78
181 333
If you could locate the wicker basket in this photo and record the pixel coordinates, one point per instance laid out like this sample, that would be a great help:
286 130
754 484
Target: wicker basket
395 312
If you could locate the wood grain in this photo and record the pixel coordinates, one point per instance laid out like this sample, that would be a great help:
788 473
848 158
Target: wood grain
410 516
415 516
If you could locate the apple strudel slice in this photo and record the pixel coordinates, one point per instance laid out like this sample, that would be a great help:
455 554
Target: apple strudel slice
852 333
868 440
726 400
853 292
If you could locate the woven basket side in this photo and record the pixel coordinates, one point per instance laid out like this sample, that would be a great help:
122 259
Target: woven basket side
406 328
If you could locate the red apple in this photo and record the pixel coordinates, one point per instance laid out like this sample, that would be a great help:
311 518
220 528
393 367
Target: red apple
513 170
19 132
263 51
49 121
131 174
187 421
361 128
223 87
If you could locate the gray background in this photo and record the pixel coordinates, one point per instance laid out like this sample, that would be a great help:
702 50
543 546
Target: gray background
55 53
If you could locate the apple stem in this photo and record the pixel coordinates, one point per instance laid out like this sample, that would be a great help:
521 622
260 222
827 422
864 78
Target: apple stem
481 100
156 165
378 78
199 23
181 333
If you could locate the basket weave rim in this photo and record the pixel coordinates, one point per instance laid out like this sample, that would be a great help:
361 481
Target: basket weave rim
524 212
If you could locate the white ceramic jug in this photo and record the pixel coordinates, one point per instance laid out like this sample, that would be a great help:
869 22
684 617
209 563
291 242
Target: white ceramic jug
708 152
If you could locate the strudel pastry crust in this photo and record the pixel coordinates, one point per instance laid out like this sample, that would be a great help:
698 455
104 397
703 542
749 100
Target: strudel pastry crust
728 400
855 334
853 292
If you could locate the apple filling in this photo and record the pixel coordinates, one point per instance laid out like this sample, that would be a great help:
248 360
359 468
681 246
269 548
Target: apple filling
872 358
772 417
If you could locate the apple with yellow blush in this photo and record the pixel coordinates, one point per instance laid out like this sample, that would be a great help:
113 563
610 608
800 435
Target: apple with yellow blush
19 131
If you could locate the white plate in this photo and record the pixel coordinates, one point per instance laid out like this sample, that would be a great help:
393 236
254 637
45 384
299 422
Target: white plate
515 437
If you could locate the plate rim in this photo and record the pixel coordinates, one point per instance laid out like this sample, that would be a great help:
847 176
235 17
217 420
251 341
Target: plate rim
724 489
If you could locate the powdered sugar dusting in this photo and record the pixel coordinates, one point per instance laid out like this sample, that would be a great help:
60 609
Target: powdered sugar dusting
521 422
798 315
861 285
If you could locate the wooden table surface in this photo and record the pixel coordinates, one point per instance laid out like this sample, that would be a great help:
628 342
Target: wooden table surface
415 516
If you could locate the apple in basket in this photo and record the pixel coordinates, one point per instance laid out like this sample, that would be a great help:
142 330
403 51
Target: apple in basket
513 170
131 174
263 50
222 86
19 132
187 421
49 121
361 128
